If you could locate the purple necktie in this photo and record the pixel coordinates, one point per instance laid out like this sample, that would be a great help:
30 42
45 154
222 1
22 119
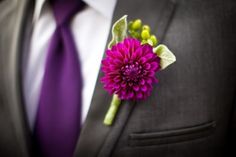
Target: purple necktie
58 118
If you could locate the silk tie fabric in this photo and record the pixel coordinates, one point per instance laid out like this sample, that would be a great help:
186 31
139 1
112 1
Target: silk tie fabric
58 117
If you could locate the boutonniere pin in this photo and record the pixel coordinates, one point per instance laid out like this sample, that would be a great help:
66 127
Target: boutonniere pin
132 59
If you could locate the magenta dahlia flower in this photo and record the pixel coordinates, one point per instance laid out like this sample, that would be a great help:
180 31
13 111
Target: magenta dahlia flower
129 70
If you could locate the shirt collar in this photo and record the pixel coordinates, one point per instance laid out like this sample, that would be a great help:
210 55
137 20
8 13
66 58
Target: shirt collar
105 7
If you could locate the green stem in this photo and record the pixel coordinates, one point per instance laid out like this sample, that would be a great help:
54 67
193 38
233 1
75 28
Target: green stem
111 113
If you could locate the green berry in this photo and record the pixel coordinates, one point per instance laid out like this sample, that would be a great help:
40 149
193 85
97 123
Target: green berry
145 34
144 42
130 25
134 34
154 40
150 42
137 24
146 27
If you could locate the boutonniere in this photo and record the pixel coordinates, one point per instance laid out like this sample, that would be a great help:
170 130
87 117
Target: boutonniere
132 59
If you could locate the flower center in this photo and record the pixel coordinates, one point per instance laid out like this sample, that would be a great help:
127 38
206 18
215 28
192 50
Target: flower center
131 72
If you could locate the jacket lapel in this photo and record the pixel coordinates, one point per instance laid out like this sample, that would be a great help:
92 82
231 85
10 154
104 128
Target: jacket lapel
97 139
13 32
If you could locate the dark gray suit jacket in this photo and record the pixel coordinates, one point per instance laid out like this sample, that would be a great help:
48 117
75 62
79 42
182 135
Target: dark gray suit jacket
191 110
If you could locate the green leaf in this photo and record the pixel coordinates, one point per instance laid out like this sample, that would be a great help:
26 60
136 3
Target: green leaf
167 57
119 31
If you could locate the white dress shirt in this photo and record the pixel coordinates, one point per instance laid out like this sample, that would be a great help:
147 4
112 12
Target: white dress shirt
90 29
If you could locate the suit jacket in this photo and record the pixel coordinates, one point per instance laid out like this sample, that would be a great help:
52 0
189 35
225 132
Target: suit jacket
191 110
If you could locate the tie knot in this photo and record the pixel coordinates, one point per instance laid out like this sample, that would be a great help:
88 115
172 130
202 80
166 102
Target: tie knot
64 10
